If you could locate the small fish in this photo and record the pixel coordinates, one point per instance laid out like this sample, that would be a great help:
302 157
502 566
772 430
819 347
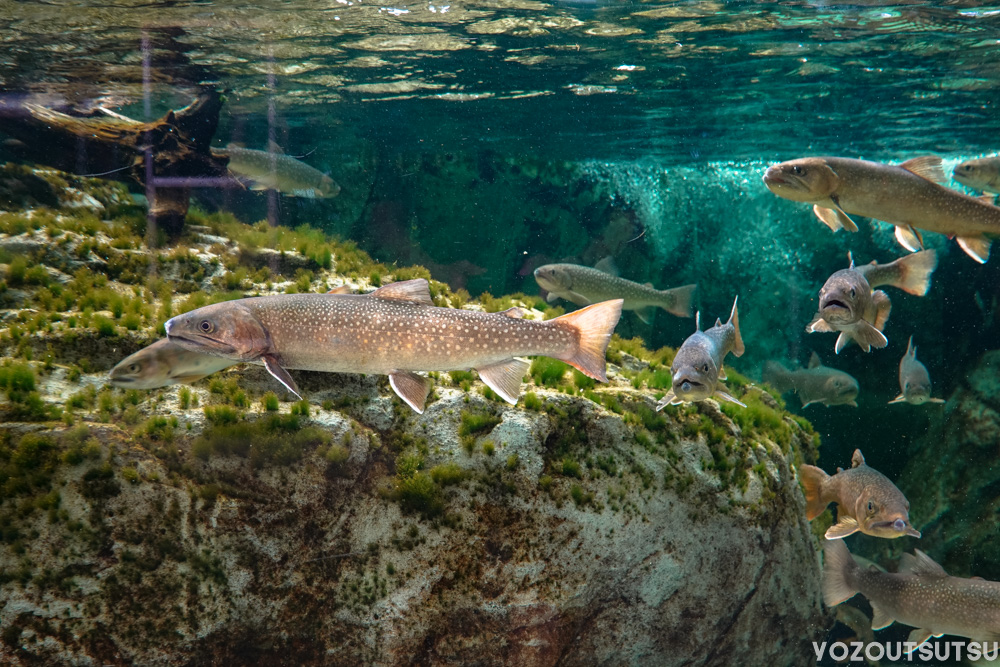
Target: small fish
393 331
908 196
848 302
914 380
815 384
866 500
162 364
273 170
982 174
921 594
697 367
584 285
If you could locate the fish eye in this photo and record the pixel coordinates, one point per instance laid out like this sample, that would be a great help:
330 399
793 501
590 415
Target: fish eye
704 369
133 368
206 326
967 167
797 170
871 507
852 292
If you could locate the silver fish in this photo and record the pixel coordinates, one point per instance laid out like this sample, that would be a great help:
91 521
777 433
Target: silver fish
395 331
276 171
848 302
921 594
982 174
163 364
914 380
697 367
815 384
584 285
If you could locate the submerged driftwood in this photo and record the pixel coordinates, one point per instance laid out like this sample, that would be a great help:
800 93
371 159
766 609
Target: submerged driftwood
167 156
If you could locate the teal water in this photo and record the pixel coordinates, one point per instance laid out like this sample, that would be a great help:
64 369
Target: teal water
481 139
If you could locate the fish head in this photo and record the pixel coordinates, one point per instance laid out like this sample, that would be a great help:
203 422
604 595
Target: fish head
976 174
841 388
916 391
142 370
228 329
694 377
808 179
328 187
883 511
842 295
554 278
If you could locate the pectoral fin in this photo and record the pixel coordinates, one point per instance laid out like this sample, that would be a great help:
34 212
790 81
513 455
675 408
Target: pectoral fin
646 314
505 378
880 619
835 218
866 336
898 399
668 399
726 397
551 297
976 247
280 374
844 527
935 400
819 325
909 238
410 387
842 341
722 373
882 308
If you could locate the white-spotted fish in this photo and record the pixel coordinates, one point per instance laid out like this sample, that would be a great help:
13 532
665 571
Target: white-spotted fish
908 196
584 285
697 367
815 384
394 331
162 364
921 595
982 174
914 380
866 500
273 170
848 302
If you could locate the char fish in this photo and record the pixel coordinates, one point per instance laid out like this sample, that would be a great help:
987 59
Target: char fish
982 174
866 500
393 331
815 384
914 380
921 594
848 302
697 367
908 196
164 363
273 170
584 285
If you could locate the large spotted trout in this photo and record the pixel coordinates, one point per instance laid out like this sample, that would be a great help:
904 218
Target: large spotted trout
907 196
393 331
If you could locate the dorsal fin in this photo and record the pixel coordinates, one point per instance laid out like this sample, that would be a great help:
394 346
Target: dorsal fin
814 361
515 312
343 289
921 564
415 291
272 147
858 459
607 265
718 321
926 166
697 321
850 258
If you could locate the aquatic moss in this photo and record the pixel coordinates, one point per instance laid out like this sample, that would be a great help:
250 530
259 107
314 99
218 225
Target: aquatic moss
267 441
547 371
447 474
759 419
530 401
476 423
419 493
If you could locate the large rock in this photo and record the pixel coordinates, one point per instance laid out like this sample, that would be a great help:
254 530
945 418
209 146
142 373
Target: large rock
953 478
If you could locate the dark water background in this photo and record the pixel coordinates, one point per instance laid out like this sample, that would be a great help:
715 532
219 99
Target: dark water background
495 132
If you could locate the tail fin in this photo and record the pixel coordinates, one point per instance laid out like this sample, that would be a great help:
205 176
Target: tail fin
812 479
915 271
777 376
594 326
839 570
680 300
734 319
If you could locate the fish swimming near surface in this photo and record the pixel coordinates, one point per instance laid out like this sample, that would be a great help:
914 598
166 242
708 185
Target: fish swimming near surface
273 170
584 285
982 174
866 500
848 302
163 364
914 380
815 384
394 331
908 196
697 367
921 594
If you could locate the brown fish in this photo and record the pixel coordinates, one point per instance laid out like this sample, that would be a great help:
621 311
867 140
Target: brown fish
395 331
848 302
815 384
922 594
982 174
866 500
914 380
162 364
907 196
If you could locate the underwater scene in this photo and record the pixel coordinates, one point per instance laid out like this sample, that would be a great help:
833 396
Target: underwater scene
499 332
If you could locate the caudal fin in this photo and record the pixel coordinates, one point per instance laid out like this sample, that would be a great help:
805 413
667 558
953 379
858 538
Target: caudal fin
678 301
839 570
777 376
594 326
734 319
915 271
812 479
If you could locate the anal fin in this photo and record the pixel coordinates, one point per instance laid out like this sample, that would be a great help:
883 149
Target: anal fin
918 637
505 378
280 374
410 387
845 526
880 619
646 314
909 238
976 247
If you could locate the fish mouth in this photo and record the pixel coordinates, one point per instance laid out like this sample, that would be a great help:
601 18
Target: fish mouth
690 388
894 528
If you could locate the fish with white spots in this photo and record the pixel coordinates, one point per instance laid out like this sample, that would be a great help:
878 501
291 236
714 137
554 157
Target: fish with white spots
395 331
